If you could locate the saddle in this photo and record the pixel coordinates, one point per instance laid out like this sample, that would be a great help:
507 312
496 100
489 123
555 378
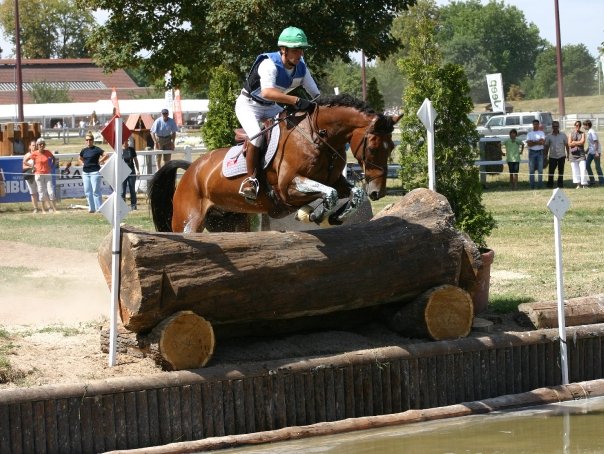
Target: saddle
242 138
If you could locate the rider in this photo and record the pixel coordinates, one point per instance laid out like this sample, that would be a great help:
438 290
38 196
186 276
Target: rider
273 74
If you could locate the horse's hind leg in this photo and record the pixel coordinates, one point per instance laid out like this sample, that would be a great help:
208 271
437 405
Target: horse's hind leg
189 215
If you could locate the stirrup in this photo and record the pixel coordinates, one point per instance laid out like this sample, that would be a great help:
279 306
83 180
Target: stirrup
251 191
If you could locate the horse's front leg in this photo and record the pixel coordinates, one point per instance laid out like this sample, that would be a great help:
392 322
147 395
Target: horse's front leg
330 196
356 196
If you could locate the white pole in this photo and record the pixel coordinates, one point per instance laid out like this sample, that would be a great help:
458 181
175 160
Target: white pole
427 115
560 294
116 247
431 167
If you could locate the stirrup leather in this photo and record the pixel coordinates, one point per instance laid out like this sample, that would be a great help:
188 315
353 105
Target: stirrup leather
251 191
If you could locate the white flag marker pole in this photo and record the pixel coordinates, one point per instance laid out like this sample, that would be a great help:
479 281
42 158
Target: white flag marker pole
427 115
558 205
115 247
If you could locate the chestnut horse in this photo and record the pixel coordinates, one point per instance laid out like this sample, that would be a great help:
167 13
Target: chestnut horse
307 166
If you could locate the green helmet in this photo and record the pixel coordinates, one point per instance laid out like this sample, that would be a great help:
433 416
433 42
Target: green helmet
293 37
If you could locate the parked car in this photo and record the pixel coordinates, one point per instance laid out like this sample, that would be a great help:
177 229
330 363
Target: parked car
480 118
501 125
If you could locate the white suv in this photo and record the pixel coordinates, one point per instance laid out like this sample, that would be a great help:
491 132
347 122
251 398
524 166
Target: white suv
500 125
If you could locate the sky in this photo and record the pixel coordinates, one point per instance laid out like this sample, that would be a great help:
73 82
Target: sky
581 21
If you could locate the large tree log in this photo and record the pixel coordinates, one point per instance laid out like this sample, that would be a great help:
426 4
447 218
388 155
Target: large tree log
577 311
444 312
404 250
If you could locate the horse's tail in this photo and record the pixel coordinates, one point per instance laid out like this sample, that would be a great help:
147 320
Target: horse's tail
160 193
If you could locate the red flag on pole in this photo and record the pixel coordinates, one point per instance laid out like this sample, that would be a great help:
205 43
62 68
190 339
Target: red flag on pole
177 108
115 102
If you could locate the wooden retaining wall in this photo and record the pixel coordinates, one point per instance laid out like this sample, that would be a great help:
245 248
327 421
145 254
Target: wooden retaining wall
136 412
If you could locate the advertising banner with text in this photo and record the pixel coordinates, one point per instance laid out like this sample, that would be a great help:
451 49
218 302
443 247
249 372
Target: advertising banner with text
495 87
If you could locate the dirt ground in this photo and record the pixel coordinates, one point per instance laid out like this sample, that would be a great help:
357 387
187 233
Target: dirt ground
54 306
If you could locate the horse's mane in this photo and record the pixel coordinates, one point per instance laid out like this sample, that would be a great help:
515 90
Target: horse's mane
384 125
345 100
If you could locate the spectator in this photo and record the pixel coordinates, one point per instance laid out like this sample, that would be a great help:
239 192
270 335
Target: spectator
535 140
593 154
43 163
91 158
29 177
82 130
513 149
273 74
58 127
556 147
129 157
163 132
577 156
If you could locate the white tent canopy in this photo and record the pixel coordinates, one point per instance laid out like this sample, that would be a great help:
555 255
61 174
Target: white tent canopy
73 112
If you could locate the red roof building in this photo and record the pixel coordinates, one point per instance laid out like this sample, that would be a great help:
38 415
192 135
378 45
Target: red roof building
85 81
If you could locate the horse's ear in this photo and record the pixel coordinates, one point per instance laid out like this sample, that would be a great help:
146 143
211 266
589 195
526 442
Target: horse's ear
396 118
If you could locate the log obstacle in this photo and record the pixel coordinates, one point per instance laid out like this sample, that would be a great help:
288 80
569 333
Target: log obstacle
261 277
441 313
583 310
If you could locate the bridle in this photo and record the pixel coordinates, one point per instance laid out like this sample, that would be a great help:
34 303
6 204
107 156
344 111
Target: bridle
321 135
363 142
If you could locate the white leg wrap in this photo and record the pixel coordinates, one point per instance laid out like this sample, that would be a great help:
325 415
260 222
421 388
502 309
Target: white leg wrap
357 195
330 195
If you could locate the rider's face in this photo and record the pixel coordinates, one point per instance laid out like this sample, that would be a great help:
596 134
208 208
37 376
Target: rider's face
291 56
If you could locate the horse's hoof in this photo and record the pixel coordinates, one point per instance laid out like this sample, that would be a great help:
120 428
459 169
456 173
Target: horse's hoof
303 214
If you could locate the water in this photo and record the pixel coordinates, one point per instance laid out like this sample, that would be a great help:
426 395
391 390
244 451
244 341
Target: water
569 427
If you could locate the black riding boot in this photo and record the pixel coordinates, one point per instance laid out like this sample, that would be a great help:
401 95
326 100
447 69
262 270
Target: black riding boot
249 186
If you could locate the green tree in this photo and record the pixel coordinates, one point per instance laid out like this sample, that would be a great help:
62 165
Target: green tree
203 34
491 38
46 92
579 69
344 75
374 97
49 28
447 87
390 81
221 120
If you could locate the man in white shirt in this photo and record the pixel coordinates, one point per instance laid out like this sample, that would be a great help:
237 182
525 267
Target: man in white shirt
273 74
593 154
535 141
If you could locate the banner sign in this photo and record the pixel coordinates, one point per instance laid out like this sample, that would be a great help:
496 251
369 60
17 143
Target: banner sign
68 184
495 87
12 184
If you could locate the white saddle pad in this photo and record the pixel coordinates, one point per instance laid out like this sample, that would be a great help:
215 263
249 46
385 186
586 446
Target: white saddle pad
234 162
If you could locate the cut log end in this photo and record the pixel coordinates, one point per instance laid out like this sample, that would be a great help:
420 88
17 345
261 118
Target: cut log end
443 312
182 341
449 313
186 341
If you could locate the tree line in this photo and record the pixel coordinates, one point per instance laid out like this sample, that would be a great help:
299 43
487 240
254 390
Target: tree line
192 37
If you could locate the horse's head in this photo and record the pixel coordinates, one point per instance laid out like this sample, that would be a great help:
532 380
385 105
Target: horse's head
372 147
